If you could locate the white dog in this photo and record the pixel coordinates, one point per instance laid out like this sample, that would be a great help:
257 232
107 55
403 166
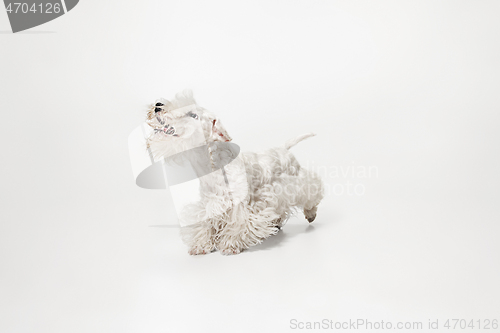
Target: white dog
245 198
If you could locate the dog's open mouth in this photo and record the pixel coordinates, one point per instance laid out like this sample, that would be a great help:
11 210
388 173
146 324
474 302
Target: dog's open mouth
220 131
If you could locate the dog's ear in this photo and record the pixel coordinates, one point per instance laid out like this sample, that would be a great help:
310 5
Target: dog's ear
184 97
219 133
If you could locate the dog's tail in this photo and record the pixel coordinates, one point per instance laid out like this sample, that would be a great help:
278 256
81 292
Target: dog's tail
290 143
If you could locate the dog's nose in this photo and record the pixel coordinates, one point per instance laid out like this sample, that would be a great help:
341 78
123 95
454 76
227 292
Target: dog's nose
157 109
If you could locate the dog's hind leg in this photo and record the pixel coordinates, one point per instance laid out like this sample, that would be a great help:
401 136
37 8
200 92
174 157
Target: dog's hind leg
312 193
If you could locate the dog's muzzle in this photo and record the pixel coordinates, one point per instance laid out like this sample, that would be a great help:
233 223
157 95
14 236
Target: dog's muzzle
167 129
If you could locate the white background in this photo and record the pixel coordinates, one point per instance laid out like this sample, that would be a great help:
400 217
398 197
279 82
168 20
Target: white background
407 87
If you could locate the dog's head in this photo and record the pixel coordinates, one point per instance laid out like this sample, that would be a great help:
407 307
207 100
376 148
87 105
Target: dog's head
180 125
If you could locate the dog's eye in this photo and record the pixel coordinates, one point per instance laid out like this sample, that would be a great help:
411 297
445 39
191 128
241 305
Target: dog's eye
193 115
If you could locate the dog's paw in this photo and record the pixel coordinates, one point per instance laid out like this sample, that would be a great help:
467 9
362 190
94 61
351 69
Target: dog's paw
197 250
230 251
311 218
310 214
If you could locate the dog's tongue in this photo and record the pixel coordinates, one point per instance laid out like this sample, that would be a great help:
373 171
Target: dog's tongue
221 132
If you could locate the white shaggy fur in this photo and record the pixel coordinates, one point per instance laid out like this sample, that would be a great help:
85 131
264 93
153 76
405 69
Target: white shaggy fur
246 197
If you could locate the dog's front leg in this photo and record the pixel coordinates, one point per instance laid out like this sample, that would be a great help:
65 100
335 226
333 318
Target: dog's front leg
200 237
246 227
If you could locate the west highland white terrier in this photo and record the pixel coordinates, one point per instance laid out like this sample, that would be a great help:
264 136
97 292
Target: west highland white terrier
244 197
